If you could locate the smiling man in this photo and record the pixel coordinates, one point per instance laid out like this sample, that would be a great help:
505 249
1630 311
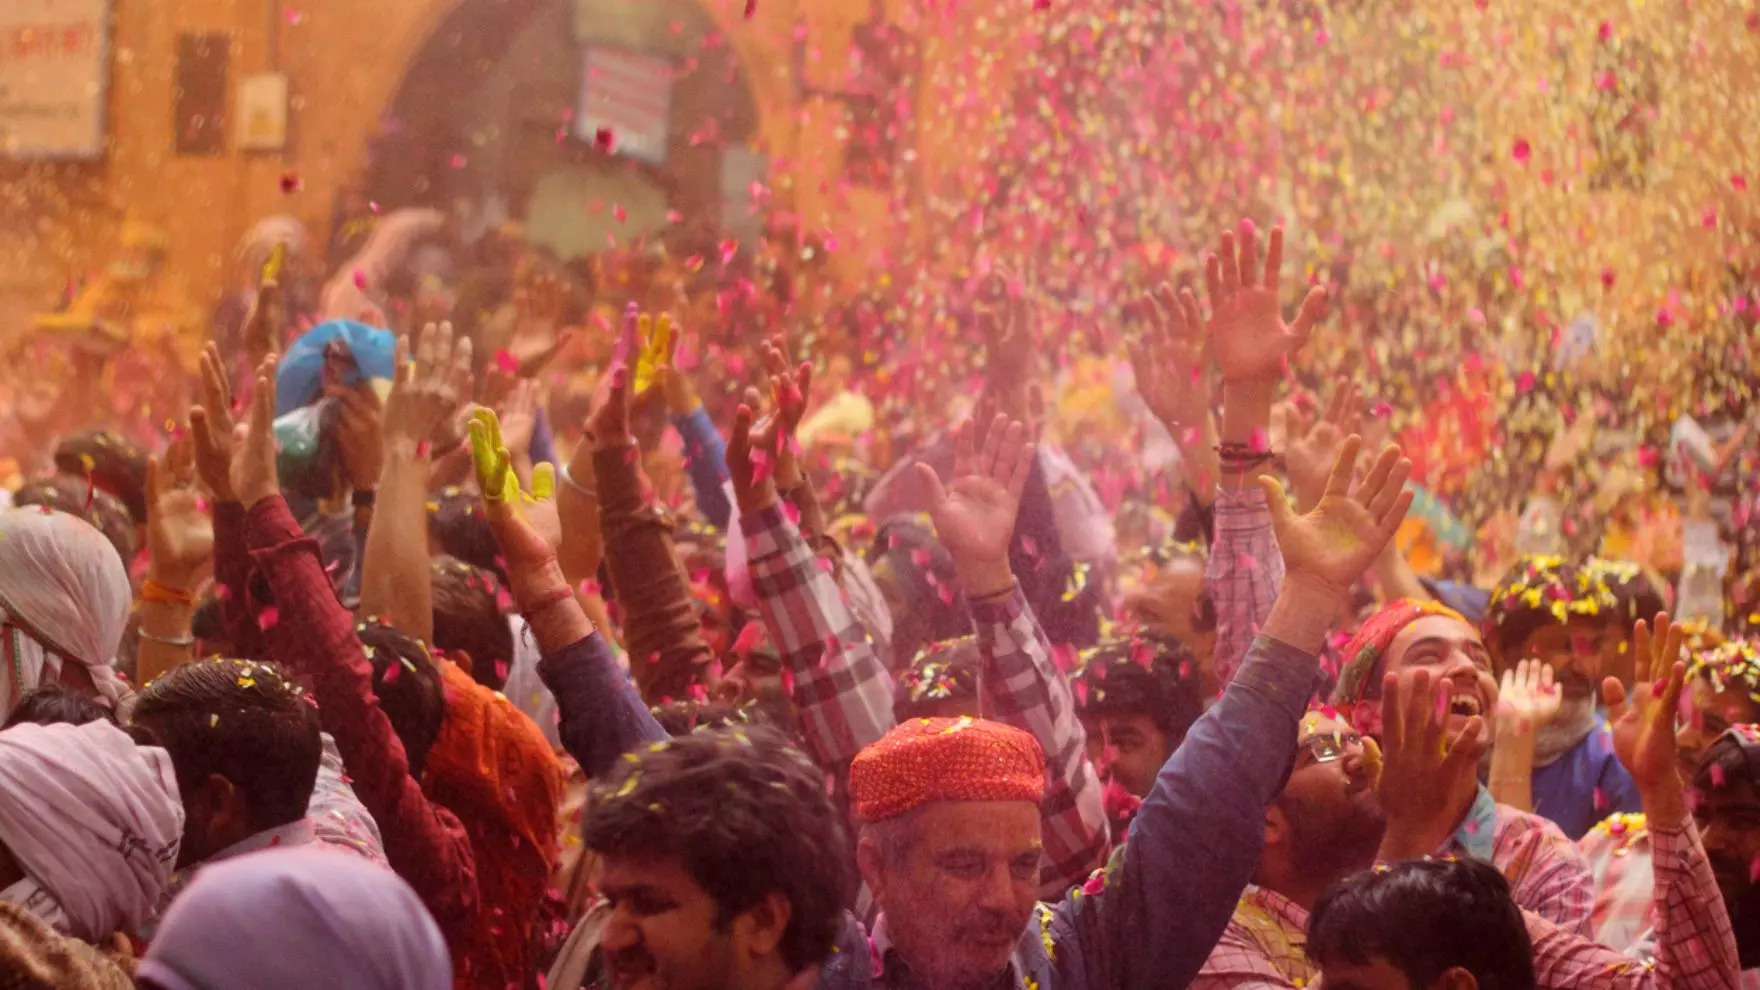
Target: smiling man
1547 873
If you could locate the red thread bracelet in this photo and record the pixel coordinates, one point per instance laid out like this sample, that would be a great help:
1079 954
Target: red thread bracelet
549 598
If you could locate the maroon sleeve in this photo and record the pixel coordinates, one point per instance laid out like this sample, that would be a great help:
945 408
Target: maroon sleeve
232 571
313 635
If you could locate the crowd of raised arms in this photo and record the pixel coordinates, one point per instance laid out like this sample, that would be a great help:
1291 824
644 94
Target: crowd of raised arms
381 670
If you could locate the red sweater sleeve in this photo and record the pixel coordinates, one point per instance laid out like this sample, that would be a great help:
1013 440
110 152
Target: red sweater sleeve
232 571
313 635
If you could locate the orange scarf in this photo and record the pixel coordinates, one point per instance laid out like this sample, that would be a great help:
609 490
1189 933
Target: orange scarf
492 768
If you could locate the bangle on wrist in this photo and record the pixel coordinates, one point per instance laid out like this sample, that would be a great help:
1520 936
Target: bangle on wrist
568 479
161 594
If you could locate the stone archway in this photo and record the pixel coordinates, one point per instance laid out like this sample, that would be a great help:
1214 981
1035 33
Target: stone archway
482 114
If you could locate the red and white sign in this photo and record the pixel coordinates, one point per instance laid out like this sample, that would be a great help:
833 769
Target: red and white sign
54 70
629 96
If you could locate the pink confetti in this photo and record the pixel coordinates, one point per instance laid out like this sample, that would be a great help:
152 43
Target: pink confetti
1521 151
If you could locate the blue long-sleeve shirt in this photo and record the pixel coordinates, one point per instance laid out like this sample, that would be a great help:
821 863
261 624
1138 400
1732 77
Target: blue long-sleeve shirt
600 714
1150 919
706 465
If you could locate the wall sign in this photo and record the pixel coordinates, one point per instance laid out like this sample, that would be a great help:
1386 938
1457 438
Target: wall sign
629 96
54 78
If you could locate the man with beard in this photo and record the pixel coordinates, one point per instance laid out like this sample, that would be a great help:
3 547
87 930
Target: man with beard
1347 806
1568 617
1545 870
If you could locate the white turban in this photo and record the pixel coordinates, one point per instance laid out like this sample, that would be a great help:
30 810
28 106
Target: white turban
290 919
64 597
93 820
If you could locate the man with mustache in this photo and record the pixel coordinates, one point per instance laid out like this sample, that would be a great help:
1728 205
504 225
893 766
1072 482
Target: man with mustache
1546 872
951 844
1568 617
1347 806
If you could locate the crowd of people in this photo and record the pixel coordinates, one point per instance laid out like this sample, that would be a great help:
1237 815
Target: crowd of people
576 631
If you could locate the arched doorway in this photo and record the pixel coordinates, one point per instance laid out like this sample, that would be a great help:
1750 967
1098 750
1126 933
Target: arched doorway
489 123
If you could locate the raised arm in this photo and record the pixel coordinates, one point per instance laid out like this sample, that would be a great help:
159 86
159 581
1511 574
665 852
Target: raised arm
314 636
211 429
841 692
974 513
1171 362
1196 840
666 648
395 583
1695 946
601 715
180 539
1252 346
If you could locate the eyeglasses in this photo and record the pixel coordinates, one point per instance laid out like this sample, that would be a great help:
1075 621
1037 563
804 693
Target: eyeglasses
1329 746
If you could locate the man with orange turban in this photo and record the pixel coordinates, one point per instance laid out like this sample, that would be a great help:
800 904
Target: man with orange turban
950 809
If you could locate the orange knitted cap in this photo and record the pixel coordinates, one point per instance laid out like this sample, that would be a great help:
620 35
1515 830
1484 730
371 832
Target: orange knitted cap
945 759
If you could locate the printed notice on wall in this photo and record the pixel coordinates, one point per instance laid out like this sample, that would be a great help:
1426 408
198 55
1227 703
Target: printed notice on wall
54 64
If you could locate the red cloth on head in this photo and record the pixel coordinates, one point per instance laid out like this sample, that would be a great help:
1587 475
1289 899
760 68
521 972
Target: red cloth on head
945 759
1364 655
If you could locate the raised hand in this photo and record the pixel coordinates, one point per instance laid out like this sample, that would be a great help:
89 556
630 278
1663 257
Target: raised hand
1427 781
1643 726
1310 452
525 523
428 392
751 455
974 511
1528 699
1336 541
180 535
519 418
608 417
1247 331
360 436
211 426
1170 358
252 474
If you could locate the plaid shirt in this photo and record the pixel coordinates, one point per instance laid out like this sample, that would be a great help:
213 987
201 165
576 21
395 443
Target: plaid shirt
844 696
1619 853
1243 574
1697 948
1546 871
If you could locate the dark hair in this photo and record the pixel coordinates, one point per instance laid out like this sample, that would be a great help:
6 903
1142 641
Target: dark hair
409 687
1724 763
944 671
115 463
1634 589
468 617
746 814
1425 917
1541 591
79 498
906 553
457 523
243 720
50 704
1151 675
